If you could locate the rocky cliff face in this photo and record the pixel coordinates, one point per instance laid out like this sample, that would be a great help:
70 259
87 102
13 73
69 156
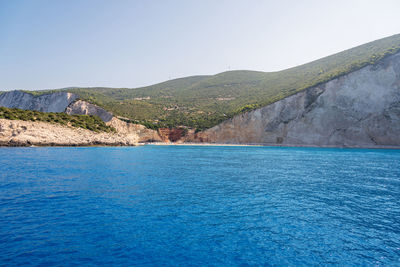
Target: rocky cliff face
54 102
360 109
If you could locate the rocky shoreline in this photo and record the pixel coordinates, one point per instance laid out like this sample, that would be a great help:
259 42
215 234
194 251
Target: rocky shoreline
94 144
17 133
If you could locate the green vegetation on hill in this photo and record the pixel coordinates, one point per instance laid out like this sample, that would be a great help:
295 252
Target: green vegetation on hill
204 101
92 123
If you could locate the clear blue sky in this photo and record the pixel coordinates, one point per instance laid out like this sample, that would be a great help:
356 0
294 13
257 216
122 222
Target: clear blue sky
59 43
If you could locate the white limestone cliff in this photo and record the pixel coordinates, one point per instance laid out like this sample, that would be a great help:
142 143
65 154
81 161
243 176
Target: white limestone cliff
360 109
81 107
53 102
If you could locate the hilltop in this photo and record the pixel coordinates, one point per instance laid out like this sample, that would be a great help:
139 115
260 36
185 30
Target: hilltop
201 102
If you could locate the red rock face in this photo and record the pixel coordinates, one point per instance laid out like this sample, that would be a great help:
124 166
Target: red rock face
171 135
200 137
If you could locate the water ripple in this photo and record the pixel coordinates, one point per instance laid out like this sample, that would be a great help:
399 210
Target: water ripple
199 206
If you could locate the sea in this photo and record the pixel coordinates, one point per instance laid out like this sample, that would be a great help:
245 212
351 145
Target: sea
199 206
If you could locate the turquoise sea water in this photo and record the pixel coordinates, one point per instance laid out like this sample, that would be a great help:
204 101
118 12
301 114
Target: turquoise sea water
188 205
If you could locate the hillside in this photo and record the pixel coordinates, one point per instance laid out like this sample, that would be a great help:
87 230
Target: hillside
360 109
203 101
92 123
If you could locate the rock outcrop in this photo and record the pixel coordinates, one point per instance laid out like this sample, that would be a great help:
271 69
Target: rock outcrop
81 107
171 135
139 131
26 133
143 134
360 109
53 102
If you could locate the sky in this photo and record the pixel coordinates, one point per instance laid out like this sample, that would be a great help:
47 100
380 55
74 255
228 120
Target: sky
48 44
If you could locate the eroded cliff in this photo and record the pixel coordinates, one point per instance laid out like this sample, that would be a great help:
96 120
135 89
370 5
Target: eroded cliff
143 134
360 109
54 102
171 135
81 107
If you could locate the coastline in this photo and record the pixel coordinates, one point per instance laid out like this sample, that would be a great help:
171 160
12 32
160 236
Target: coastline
122 144
268 145
24 144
